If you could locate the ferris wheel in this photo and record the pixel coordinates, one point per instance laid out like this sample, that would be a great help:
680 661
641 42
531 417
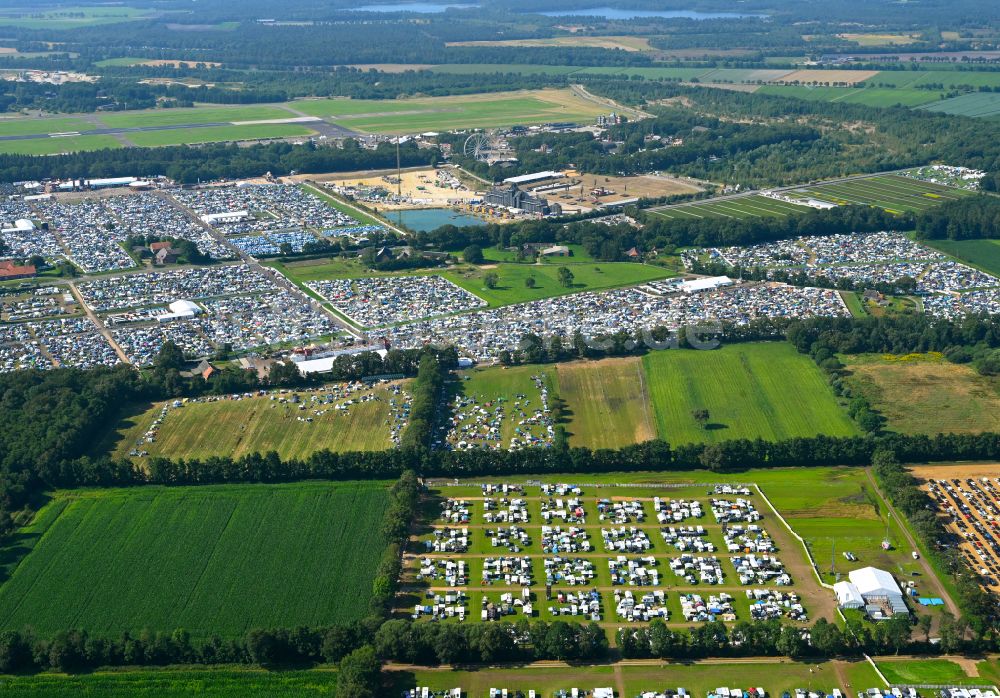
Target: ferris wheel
479 146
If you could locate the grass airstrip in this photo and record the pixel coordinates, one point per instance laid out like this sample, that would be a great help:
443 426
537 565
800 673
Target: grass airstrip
209 559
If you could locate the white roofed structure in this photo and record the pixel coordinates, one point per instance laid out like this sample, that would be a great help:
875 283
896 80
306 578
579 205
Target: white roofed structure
878 588
534 177
848 595
707 284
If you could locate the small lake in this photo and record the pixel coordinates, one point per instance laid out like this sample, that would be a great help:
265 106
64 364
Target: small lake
426 219
618 13
420 7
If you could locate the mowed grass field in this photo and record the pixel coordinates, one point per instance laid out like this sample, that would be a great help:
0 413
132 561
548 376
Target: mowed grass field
984 254
766 391
209 559
924 394
34 127
174 683
606 403
240 427
54 146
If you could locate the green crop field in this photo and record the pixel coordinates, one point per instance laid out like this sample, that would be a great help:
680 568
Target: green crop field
870 96
174 683
53 146
39 127
766 391
976 104
212 134
193 115
511 286
240 427
606 403
441 113
753 206
924 394
984 254
209 559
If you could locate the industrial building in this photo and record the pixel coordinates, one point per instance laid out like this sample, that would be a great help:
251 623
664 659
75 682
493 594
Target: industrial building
512 197
710 283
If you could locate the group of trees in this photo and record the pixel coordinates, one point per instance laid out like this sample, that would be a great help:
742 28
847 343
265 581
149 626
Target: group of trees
764 638
474 643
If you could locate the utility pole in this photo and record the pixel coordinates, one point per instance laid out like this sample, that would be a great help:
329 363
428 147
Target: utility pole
399 172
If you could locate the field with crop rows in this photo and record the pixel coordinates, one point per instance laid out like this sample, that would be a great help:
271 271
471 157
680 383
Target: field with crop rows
977 104
209 559
891 192
606 403
753 206
766 391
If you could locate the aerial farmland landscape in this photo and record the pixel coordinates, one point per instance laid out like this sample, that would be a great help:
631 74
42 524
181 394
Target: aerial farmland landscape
593 349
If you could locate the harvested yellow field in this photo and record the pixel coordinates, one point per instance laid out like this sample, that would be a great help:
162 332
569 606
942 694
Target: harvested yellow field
880 39
624 43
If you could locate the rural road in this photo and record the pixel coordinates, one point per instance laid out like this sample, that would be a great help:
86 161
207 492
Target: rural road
930 576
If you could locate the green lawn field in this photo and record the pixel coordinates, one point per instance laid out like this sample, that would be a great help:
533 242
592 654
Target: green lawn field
194 115
52 146
511 286
699 680
174 683
925 394
606 403
984 254
239 427
936 671
209 559
213 134
766 391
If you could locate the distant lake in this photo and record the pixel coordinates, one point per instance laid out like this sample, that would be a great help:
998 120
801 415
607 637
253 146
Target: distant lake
617 13
424 220
421 7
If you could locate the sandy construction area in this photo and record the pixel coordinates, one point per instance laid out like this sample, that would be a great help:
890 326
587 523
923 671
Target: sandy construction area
419 187
850 77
